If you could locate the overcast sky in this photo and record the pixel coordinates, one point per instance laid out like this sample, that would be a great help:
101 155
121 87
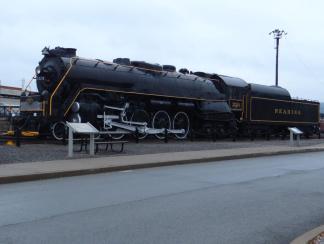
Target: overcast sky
218 36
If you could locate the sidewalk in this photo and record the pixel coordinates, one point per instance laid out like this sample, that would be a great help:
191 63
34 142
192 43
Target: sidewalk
60 168
315 236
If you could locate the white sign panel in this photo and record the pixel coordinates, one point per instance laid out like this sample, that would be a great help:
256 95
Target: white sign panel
295 130
82 128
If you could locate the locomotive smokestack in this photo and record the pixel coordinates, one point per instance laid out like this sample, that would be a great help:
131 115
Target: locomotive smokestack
59 52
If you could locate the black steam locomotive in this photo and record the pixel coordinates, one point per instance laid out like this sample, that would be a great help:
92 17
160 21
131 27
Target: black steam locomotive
135 96
123 96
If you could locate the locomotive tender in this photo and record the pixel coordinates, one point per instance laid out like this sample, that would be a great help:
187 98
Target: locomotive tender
266 110
134 95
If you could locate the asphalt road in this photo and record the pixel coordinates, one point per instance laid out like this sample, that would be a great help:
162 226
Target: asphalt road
262 200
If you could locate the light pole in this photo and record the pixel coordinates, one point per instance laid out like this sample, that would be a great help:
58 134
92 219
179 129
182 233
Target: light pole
277 34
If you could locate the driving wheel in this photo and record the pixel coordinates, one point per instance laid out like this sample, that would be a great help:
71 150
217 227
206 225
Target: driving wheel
161 120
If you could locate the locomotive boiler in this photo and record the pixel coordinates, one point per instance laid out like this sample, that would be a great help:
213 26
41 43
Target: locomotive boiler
123 96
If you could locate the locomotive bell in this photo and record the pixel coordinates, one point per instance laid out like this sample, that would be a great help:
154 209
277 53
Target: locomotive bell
75 107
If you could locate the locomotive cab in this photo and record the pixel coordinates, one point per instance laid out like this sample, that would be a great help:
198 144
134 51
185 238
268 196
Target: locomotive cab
235 90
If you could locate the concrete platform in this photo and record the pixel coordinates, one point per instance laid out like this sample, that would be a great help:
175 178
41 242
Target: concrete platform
60 168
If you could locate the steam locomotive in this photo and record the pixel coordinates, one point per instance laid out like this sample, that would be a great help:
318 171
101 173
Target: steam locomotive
126 96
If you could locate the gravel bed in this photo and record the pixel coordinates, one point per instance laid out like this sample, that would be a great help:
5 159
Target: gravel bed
47 152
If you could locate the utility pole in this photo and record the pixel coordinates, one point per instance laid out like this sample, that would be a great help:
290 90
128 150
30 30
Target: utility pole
23 81
277 34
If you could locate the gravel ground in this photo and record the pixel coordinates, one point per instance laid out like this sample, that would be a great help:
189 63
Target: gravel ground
46 152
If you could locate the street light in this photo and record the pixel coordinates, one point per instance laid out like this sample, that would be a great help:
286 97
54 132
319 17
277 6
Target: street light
277 34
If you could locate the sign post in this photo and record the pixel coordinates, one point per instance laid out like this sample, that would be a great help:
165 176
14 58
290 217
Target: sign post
295 132
91 144
70 143
81 128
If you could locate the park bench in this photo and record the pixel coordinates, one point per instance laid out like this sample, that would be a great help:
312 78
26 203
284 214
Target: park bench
102 141
111 144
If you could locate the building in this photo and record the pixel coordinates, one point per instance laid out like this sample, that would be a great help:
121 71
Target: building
9 100
322 117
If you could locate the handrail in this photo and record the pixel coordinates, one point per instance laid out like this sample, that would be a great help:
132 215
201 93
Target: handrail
59 84
29 82
304 99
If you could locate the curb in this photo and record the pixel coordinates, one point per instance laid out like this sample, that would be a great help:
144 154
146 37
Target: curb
308 237
68 173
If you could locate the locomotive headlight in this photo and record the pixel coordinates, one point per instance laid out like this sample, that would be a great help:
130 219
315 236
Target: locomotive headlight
38 70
